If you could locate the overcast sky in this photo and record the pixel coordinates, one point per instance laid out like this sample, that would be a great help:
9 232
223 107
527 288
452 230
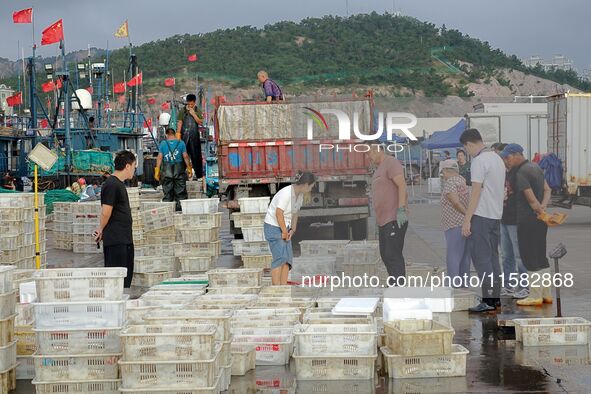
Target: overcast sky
520 27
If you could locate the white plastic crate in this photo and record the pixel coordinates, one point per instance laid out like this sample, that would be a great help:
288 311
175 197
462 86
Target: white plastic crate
254 204
6 277
292 314
253 234
329 367
552 331
464 300
323 247
257 261
248 219
225 377
284 302
245 277
256 248
143 265
418 337
339 320
7 356
237 245
243 358
169 342
194 186
81 387
155 250
135 310
197 264
170 374
7 334
86 228
199 249
200 234
11 241
87 248
82 341
434 366
270 350
361 252
7 305
219 318
83 238
200 205
76 367
563 356
26 368
150 279
11 214
60 207
149 205
214 389
233 290
158 218
79 284
198 220
341 387
226 301
342 339
29 239
92 207
78 315
171 298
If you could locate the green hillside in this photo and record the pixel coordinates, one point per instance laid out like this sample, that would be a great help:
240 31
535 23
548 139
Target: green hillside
365 49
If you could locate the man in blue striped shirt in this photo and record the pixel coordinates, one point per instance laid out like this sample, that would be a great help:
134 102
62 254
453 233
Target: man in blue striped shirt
271 90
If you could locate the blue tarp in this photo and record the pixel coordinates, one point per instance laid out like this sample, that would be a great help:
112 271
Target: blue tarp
446 139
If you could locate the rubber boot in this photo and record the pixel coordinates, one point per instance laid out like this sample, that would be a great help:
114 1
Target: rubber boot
535 297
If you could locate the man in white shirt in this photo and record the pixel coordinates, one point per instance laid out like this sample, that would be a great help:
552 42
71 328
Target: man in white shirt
483 216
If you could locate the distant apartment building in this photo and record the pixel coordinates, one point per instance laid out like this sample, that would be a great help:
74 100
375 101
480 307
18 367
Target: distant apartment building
558 62
5 91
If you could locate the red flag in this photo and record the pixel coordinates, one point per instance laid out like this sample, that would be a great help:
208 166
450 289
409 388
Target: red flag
90 89
48 86
192 58
151 101
148 123
137 80
169 82
44 123
59 83
121 99
119 87
165 106
53 34
23 16
14 100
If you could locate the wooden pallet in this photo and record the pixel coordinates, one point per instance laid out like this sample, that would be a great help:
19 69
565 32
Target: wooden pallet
8 380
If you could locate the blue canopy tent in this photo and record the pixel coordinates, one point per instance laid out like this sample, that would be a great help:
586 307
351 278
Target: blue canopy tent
446 139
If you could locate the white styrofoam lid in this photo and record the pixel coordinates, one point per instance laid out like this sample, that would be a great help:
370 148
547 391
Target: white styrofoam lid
356 305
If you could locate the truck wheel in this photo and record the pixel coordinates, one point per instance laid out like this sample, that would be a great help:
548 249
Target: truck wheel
359 229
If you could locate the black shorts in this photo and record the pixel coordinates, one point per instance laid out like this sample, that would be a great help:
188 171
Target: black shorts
120 256
531 236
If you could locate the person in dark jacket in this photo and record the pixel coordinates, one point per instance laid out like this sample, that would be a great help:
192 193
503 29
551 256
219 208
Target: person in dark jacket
174 167
189 120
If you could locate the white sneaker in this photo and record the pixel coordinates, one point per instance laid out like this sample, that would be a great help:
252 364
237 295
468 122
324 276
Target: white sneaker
506 292
521 294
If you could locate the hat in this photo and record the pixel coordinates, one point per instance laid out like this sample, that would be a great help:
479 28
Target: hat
511 149
449 163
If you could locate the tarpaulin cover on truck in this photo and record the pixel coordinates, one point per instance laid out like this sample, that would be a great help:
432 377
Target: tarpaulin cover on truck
251 122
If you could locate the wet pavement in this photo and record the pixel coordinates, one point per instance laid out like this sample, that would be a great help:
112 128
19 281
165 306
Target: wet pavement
496 363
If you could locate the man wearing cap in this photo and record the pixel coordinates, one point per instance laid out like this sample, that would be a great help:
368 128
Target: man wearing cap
482 221
455 197
532 197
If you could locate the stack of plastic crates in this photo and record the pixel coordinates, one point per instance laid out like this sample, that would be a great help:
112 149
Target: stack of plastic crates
26 342
418 348
251 218
85 221
194 189
7 338
235 281
78 321
219 319
62 225
133 193
155 260
323 248
200 230
17 241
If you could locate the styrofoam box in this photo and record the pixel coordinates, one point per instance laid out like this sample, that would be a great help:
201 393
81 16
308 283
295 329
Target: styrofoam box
78 315
342 339
340 367
254 204
76 367
200 205
552 331
169 342
170 374
438 299
412 309
79 284
434 366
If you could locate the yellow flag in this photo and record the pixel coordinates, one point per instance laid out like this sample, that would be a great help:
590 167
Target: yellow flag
122 32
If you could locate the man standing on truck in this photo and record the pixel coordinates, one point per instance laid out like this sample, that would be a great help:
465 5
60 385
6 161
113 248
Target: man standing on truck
271 90
187 128
533 196
483 217
389 198
174 164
